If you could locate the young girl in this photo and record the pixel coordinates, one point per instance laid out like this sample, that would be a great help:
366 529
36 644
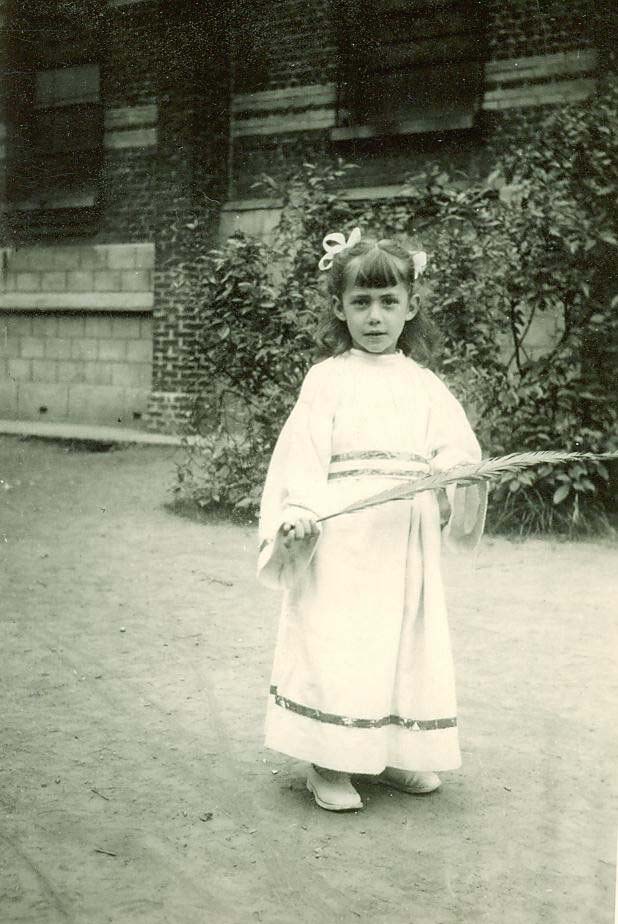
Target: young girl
363 676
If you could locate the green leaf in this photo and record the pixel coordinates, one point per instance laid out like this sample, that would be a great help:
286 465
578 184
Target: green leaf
561 493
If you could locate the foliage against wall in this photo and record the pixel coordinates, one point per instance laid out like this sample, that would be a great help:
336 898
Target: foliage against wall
536 237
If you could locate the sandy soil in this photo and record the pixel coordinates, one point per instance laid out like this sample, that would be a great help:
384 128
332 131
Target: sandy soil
134 664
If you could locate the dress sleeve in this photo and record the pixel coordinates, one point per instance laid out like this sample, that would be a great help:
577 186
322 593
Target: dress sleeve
451 441
297 477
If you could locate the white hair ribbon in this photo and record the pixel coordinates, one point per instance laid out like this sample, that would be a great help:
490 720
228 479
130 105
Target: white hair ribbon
419 258
334 243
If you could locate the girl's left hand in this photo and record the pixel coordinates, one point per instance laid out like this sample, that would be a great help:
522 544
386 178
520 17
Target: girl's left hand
303 528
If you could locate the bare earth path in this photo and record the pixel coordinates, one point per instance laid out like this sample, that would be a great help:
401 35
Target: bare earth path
135 651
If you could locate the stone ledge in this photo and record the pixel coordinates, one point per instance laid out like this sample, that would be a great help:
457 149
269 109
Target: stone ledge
77 301
510 70
116 4
130 138
68 431
124 117
544 94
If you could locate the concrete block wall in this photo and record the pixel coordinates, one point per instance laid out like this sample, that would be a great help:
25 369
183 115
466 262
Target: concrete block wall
95 369
76 333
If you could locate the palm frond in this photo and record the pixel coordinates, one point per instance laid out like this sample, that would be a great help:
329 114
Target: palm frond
487 470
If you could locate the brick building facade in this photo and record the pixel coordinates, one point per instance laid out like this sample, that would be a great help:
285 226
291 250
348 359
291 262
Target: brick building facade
122 121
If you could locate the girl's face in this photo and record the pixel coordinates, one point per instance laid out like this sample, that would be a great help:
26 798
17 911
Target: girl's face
375 317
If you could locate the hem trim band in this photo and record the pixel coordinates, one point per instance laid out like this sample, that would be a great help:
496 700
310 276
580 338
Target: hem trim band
349 722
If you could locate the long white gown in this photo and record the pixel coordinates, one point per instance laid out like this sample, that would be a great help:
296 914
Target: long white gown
363 672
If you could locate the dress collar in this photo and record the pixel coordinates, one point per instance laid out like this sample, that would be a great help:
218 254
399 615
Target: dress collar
376 358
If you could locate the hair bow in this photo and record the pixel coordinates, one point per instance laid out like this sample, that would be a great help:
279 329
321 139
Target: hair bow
419 258
334 243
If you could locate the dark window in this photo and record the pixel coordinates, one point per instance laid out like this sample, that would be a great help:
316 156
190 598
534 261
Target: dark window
56 162
409 66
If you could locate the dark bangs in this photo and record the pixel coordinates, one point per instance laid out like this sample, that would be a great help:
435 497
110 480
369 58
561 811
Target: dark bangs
376 269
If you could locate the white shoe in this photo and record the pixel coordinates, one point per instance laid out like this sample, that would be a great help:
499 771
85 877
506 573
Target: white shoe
335 794
417 783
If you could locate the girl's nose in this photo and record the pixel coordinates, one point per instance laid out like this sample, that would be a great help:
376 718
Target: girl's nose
374 311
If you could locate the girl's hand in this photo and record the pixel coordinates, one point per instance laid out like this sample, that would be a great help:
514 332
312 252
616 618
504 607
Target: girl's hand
303 528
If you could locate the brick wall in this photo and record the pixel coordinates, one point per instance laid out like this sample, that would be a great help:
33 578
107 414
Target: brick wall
539 52
76 333
191 183
524 28
168 164
134 56
283 43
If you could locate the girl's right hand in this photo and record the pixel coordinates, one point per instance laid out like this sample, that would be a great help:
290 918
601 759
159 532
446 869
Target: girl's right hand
303 528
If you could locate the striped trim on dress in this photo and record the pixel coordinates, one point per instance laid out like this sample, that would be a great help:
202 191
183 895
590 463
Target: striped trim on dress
332 719
376 463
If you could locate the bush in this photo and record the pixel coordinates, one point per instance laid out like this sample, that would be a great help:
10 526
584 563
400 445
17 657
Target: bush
534 240
259 306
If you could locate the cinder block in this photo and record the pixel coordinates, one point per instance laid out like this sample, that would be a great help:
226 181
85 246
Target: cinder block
93 257
9 283
20 259
8 399
112 350
108 280
121 256
28 282
42 258
125 327
9 346
136 281
139 351
55 348
71 372
135 403
64 258
126 375
98 373
71 327
17 325
96 404
98 327
45 326
44 370
144 256
80 281
20 370
145 375
32 348
55 281
145 328
84 348
32 399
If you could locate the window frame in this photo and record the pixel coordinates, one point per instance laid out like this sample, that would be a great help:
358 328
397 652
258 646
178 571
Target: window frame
39 204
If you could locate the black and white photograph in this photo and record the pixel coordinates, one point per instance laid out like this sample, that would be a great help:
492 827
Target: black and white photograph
308 462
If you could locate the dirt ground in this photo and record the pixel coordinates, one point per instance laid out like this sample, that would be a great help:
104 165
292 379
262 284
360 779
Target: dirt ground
134 665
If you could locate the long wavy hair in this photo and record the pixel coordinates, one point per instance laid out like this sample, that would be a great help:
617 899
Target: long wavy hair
375 264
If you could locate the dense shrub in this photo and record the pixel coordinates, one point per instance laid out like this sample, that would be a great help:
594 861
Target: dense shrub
536 239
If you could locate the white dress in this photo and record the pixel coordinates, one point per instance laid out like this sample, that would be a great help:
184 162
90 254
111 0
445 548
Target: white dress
363 672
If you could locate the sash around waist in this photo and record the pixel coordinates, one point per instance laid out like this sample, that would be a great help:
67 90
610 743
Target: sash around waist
377 464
